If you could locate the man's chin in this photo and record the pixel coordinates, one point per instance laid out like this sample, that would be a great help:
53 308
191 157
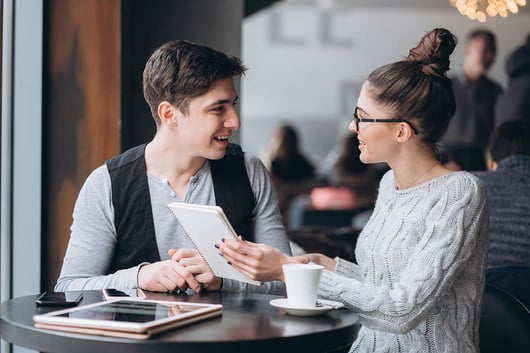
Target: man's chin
217 154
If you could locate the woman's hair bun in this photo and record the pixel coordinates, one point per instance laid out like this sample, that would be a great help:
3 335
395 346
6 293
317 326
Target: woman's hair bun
433 51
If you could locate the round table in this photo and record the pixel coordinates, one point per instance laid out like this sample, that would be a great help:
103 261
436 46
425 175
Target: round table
248 324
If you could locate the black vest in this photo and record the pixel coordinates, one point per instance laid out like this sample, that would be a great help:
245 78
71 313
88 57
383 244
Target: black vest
133 216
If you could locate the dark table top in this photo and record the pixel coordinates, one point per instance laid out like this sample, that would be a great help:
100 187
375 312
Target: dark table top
248 324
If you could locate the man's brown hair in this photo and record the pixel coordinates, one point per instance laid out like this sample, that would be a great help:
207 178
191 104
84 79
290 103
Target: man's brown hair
181 70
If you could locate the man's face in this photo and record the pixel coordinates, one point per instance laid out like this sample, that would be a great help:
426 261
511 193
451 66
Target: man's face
478 55
210 121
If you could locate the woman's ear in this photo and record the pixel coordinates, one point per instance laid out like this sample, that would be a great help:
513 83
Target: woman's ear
167 113
404 133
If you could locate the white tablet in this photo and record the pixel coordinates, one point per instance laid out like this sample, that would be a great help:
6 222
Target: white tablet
129 318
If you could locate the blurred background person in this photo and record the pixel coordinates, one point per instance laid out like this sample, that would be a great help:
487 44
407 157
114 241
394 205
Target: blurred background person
514 103
508 188
348 171
292 172
350 185
289 164
469 130
347 185
448 158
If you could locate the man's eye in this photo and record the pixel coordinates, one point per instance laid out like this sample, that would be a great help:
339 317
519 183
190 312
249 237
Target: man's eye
219 109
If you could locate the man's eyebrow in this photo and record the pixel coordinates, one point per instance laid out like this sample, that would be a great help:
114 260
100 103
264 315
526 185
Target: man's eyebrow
222 101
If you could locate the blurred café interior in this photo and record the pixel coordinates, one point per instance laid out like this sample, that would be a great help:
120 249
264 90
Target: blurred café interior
72 98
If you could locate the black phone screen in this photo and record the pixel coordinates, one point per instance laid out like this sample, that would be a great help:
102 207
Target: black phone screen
59 299
115 293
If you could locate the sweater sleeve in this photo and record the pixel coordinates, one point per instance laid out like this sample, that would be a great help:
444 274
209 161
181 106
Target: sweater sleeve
454 230
93 240
349 269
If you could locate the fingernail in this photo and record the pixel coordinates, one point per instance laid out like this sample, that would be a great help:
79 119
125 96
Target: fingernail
223 240
221 253
217 246
228 262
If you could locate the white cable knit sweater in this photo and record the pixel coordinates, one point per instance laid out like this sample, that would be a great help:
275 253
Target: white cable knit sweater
421 261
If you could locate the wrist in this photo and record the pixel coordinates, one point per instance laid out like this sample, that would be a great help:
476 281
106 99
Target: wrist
140 267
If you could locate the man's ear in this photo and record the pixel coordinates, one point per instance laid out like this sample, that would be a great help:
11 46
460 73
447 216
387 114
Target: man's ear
167 113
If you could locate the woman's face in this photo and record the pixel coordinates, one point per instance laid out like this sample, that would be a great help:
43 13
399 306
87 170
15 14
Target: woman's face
376 139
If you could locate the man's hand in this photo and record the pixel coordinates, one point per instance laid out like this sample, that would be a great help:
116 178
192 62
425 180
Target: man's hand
166 276
193 262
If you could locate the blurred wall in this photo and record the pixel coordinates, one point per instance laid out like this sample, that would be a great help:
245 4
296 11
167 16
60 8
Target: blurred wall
308 58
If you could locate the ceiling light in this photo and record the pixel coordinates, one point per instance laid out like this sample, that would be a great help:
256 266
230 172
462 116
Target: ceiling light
480 9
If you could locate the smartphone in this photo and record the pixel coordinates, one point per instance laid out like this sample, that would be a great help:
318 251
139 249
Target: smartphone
59 299
110 293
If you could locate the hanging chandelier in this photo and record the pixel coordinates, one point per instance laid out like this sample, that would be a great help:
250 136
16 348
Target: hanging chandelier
480 9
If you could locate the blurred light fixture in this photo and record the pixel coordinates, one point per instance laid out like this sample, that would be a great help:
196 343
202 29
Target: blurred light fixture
480 9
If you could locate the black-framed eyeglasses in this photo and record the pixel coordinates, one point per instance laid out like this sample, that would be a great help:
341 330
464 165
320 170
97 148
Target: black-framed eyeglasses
357 120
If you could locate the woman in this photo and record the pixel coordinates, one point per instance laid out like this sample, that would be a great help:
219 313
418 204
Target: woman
421 257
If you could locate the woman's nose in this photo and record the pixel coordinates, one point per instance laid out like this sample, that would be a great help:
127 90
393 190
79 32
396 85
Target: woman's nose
352 127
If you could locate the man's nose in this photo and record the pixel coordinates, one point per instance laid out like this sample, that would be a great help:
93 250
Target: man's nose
232 120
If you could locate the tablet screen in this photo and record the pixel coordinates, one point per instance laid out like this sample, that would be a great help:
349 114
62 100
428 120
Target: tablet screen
131 311
128 315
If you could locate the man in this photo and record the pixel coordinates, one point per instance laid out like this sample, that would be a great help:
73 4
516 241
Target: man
475 94
123 234
514 103
508 191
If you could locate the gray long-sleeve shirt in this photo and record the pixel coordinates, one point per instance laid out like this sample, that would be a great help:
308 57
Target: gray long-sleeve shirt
93 234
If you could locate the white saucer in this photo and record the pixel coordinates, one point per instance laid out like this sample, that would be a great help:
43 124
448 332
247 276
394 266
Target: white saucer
324 307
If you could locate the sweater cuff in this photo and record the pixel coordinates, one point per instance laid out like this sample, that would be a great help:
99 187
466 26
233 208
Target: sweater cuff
327 288
348 269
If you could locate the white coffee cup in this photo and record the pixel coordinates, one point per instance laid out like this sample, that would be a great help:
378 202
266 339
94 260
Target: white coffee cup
301 282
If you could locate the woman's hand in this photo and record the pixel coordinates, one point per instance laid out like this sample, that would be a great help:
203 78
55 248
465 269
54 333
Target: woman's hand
192 262
260 262
317 258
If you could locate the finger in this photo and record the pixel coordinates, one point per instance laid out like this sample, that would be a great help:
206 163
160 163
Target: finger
239 244
233 256
304 259
187 276
196 269
250 256
190 261
167 283
184 253
171 252
245 269
167 279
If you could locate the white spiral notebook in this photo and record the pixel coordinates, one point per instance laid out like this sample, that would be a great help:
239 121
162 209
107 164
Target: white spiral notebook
206 226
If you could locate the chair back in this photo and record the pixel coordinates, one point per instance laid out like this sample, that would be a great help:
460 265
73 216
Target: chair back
504 323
